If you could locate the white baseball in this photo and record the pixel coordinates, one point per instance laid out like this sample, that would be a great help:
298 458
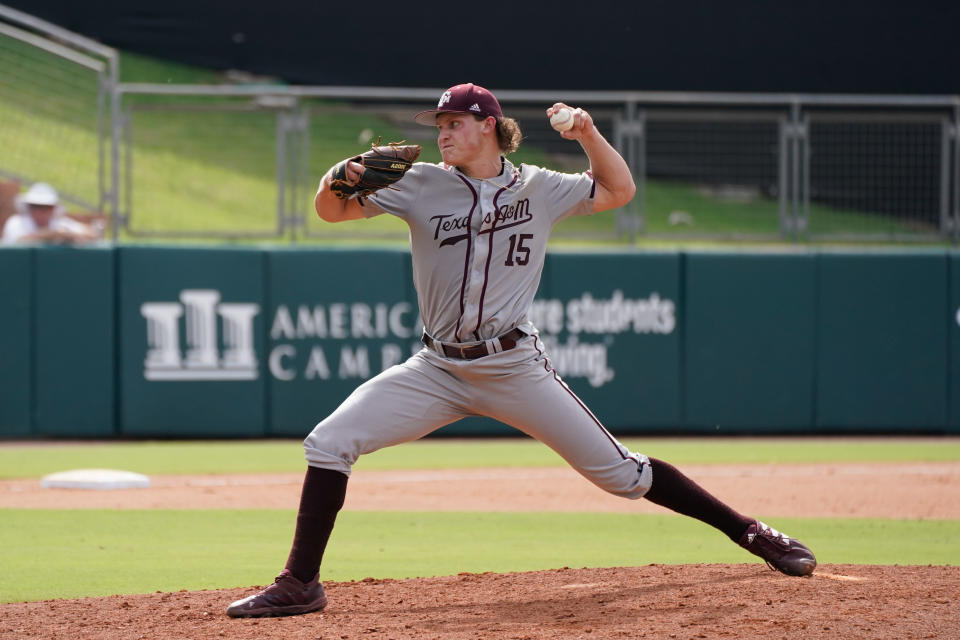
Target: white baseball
562 120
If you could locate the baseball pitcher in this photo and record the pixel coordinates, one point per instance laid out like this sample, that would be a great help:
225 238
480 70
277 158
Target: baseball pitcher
478 235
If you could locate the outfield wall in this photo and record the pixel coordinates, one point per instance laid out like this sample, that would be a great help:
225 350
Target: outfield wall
221 342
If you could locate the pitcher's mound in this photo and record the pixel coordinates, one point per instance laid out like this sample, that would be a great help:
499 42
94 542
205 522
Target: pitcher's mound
656 601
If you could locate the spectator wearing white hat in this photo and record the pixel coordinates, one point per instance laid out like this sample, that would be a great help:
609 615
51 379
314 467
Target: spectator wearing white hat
41 219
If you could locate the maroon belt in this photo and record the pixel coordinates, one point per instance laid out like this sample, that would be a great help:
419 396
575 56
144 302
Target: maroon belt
507 341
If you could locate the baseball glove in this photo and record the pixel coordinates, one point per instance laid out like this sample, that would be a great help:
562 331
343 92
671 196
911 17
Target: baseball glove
383 166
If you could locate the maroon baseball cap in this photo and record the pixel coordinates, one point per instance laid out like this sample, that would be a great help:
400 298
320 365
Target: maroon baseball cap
463 98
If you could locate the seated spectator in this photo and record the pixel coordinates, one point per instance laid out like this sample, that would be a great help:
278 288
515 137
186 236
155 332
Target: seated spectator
41 219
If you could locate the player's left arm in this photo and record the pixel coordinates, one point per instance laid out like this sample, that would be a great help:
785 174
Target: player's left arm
615 186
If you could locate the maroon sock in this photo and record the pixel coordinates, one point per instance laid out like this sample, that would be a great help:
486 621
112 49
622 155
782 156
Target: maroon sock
675 491
320 500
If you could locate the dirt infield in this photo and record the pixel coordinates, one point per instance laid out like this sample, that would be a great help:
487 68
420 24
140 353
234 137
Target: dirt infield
656 601
877 490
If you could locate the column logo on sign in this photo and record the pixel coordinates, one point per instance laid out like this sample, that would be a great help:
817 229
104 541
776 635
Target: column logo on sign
202 360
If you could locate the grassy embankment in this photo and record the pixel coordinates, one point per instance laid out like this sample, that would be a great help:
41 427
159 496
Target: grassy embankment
197 169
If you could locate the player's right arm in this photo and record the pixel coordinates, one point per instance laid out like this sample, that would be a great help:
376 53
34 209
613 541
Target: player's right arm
331 208
614 180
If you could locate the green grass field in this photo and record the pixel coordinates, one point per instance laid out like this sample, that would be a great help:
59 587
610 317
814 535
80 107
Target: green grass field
77 553
81 553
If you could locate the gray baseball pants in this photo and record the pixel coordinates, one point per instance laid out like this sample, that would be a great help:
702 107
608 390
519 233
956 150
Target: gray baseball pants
517 387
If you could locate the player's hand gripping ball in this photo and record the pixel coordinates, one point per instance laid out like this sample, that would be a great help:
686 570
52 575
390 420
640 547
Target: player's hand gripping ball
562 120
382 166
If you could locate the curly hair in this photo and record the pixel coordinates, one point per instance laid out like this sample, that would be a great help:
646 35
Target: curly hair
508 134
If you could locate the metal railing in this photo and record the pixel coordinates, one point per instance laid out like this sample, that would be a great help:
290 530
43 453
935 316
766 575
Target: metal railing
242 161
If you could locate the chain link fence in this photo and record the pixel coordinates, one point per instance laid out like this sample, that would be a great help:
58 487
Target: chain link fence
54 109
877 174
242 161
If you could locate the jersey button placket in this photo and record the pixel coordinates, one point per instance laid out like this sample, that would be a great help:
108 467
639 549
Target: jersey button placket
481 249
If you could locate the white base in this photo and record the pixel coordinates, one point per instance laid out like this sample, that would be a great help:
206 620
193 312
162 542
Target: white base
95 479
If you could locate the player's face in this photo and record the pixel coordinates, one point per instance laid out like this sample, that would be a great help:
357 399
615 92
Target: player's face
460 137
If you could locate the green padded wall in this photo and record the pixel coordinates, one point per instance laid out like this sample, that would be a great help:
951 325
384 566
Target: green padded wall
953 321
246 342
335 319
882 341
614 326
16 338
192 341
75 342
749 354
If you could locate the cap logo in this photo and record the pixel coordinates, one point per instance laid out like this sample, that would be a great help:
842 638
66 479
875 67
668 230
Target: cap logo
444 99
475 107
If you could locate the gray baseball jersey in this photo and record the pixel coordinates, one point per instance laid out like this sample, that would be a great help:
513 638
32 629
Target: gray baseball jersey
478 248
